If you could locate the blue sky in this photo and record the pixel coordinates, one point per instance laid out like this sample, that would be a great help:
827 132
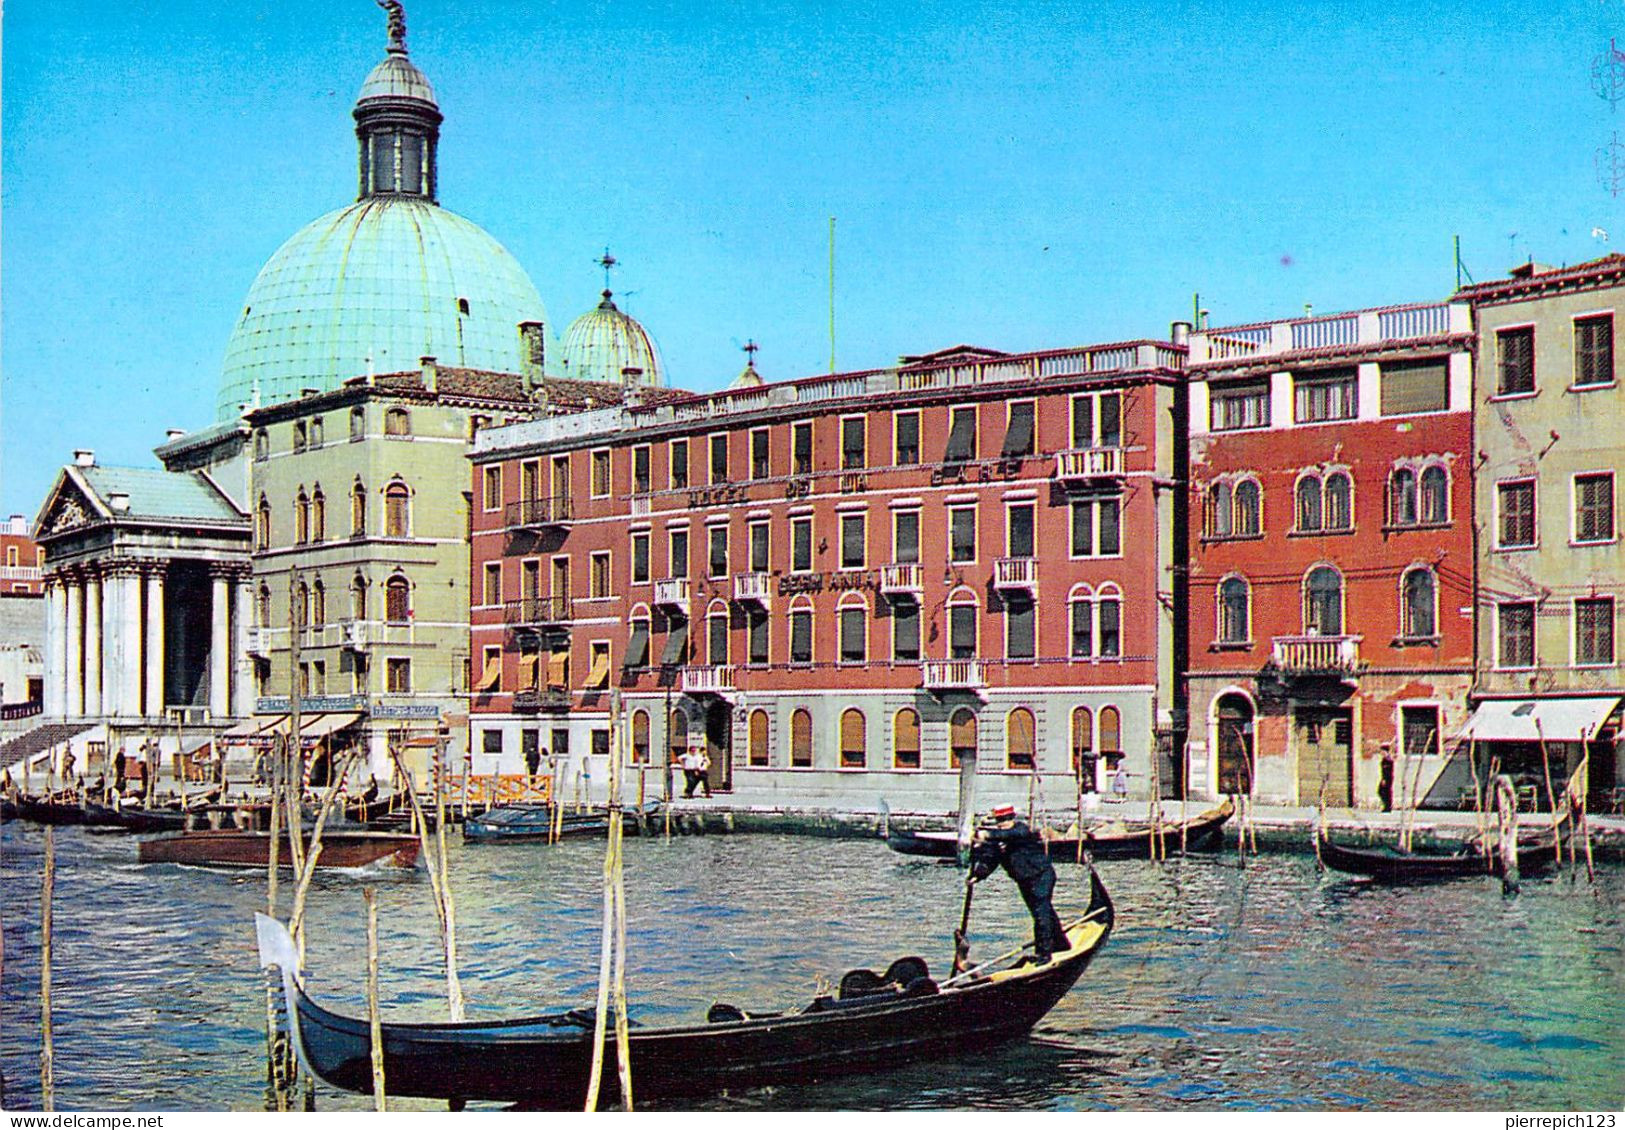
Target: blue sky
1017 176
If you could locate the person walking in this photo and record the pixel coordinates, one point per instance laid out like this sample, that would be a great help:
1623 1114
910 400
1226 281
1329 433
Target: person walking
1005 841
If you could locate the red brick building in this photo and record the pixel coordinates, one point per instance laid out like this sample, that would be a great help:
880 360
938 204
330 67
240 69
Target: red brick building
843 586
1331 511
20 560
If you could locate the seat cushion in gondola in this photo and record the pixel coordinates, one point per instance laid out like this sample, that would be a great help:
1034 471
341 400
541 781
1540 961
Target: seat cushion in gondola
899 975
721 1013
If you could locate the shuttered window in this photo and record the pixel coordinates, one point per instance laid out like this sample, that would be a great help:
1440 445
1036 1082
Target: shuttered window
717 639
906 537
801 636
1111 419
1325 396
1018 434
1517 502
961 436
1405 387
907 425
1019 629
1240 406
802 448
640 469
905 631
962 631
854 740
1517 634
758 737
853 648
1594 631
1111 730
906 740
801 739
1020 742
962 534
852 527
1515 361
1020 531
961 737
854 449
1594 350
758 637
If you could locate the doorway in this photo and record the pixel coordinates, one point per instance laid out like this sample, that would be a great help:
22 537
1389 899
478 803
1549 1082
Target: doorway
1325 743
719 746
1235 744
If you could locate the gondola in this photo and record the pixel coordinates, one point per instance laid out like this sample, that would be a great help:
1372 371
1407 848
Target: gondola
519 823
1387 863
1108 841
228 847
875 1023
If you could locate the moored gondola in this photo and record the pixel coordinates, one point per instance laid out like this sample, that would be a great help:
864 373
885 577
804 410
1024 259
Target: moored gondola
544 1060
1388 863
1106 841
228 847
519 823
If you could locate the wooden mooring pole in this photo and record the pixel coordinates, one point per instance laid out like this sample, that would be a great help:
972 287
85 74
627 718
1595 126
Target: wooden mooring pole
47 1065
375 1025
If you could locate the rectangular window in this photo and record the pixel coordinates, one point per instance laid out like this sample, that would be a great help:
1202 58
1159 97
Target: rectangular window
679 464
719 459
530 479
854 444
758 637
530 575
599 578
1515 361
1109 511
1594 631
717 538
962 631
640 559
561 576
491 742
1406 387
398 676
319 675
760 465
1019 531
716 649
1421 730
1083 629
600 743
759 547
1019 630
1239 406
1594 350
801 636
961 436
600 474
853 648
906 429
1325 396
801 545
1083 528
801 448
678 562
492 593
1110 633
493 487
962 534
641 482
1018 432
598 673
1517 505
1111 419
906 537
905 632
852 541
1083 421
1594 507
1517 634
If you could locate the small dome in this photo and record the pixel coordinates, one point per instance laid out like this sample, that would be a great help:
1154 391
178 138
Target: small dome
748 377
605 342
397 77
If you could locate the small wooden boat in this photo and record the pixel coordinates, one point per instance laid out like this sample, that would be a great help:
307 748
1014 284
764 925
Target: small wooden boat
544 1060
519 823
228 847
1424 863
1105 841
61 809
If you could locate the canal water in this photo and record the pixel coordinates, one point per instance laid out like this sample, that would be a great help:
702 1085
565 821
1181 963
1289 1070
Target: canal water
1264 986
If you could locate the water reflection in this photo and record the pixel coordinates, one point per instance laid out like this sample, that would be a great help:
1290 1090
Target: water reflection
1264 986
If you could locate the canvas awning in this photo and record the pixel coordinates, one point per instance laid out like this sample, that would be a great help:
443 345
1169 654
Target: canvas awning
599 675
558 669
324 724
1018 435
490 677
251 728
961 438
637 648
1532 719
676 644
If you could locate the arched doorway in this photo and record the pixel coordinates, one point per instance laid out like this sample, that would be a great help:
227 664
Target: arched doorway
719 731
1234 715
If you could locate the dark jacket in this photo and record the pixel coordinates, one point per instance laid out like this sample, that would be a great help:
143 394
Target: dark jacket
1018 849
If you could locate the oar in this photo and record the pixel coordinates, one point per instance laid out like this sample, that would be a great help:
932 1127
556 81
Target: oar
972 971
961 941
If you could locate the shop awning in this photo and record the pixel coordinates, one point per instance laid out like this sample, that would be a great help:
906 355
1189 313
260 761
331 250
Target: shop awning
244 730
491 676
1531 719
324 724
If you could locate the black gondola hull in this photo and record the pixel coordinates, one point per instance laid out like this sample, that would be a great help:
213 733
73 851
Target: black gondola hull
1390 865
1202 832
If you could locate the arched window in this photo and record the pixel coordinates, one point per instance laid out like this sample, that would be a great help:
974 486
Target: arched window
262 445
1418 615
758 737
1218 510
716 637
1402 497
677 735
396 510
1234 716
262 524
1323 602
318 605
1083 746
318 515
1081 605
1020 740
1435 496
1111 732
1248 513
397 422
397 600
801 738
640 737
358 598
1233 626
1339 503
301 605
906 740
299 433
301 518
265 606
1109 622
1308 504
358 422
961 737
358 509
316 431
854 739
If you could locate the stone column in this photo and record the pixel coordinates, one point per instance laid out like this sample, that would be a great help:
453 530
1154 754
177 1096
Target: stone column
242 666
74 651
129 633
112 645
220 644
56 640
93 644
155 643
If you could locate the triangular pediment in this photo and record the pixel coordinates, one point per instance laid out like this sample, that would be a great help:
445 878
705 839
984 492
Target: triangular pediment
68 506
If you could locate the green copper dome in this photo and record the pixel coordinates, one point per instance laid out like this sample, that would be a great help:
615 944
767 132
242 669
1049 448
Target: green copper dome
374 287
604 343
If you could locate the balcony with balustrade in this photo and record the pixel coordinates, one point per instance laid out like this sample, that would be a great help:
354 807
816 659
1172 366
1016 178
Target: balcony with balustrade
1299 656
539 513
1016 574
1330 332
756 588
709 679
673 593
530 699
354 635
902 579
1087 464
258 642
952 675
540 610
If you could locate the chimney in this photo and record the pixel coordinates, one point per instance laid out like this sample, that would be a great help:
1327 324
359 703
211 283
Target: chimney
631 375
1180 333
431 374
304 392
174 433
84 458
532 352
118 501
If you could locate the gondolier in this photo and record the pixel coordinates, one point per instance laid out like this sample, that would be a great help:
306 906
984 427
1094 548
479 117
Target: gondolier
1004 841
